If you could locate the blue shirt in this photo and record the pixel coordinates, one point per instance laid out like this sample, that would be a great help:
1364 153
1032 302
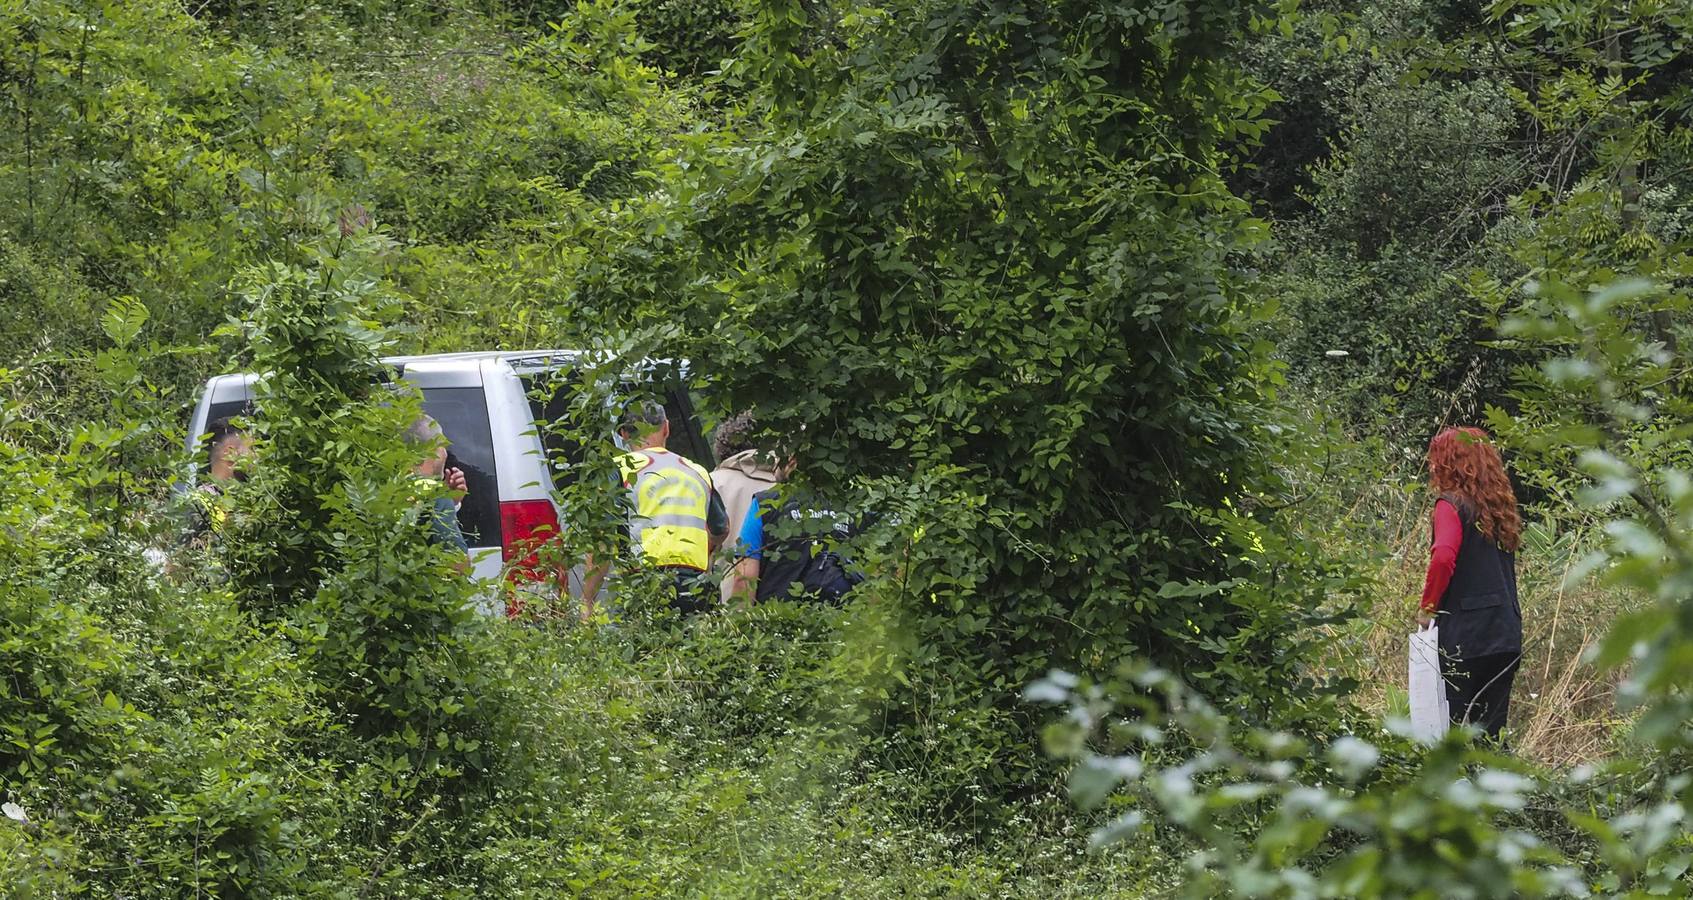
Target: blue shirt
752 533
444 525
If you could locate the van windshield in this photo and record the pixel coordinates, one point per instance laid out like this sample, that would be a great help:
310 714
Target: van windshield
463 415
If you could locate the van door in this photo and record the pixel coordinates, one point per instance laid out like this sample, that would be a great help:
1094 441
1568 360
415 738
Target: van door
549 398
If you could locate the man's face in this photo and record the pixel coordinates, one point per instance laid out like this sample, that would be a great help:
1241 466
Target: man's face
228 455
434 465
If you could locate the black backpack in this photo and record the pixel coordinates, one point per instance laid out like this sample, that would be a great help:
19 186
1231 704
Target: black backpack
827 577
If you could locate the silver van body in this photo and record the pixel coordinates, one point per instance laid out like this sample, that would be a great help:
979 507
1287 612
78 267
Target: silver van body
483 402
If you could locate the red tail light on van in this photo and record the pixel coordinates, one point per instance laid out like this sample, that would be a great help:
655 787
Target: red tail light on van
524 526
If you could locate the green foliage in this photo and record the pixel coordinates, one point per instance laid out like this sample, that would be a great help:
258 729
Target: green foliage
1456 820
691 37
60 664
982 267
992 246
1628 439
42 303
1277 816
1415 170
1433 149
157 157
1439 121
334 539
138 715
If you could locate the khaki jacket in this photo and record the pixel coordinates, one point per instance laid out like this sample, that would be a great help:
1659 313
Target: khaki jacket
737 479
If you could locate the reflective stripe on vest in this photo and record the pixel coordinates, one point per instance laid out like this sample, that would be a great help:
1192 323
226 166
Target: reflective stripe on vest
672 496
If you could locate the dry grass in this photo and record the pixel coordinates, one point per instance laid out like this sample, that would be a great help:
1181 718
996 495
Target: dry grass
1563 709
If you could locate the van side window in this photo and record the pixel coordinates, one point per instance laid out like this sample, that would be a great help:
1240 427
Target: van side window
228 409
463 414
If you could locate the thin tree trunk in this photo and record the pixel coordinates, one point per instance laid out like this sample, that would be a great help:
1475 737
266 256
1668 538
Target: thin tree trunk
1628 182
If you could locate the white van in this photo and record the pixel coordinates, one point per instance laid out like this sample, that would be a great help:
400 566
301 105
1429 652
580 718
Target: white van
488 405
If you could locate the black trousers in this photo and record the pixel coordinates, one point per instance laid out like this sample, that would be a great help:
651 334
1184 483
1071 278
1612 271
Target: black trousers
695 591
1479 689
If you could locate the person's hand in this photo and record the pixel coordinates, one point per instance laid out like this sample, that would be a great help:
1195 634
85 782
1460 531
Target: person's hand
454 477
1424 617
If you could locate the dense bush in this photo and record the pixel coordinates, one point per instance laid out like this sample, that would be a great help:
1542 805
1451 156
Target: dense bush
946 254
981 266
216 727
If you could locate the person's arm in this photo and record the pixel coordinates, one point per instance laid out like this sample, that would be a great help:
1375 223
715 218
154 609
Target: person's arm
593 574
716 521
445 532
743 578
1443 558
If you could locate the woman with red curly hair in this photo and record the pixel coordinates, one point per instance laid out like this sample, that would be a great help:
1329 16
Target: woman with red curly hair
1471 588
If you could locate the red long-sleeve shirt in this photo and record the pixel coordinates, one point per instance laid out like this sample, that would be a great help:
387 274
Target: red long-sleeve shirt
1443 556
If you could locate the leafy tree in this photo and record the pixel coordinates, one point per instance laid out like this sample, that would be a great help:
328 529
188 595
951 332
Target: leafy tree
333 534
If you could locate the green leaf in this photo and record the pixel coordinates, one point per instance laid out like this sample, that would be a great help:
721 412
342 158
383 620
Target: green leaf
1097 776
123 319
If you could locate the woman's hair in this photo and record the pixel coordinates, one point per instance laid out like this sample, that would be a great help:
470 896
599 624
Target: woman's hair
1463 461
734 435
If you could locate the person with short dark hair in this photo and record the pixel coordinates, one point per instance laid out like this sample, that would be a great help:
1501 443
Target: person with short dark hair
735 435
678 520
790 549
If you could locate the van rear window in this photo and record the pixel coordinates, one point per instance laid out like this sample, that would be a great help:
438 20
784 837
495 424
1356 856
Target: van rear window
228 409
463 414
549 400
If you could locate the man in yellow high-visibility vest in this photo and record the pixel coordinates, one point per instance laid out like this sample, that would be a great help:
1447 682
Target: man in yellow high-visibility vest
678 520
230 452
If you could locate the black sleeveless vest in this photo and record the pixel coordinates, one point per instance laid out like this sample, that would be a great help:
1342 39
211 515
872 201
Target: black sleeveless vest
1479 615
799 559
